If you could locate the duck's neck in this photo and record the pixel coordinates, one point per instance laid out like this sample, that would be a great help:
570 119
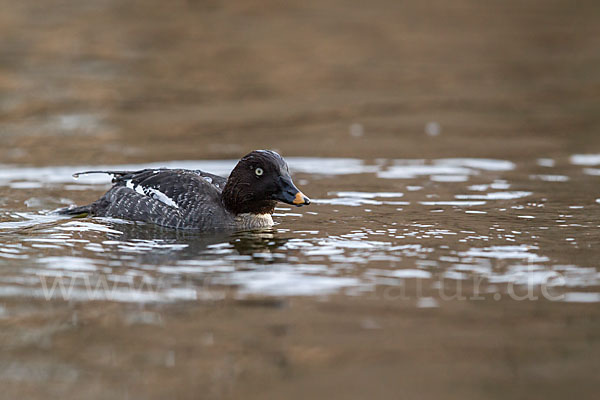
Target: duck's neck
237 199
254 221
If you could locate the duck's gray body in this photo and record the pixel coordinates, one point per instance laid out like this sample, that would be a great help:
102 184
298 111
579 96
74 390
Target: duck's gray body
174 198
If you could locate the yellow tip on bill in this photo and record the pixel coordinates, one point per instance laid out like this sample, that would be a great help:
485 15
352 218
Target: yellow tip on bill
300 199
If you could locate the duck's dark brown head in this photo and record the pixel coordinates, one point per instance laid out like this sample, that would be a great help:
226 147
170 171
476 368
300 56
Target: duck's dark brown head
257 182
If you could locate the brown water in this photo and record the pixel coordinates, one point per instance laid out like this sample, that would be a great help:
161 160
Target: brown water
451 150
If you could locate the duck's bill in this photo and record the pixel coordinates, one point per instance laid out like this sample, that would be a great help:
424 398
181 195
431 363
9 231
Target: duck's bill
300 199
290 194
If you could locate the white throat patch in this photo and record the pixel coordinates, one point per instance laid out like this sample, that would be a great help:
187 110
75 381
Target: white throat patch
249 221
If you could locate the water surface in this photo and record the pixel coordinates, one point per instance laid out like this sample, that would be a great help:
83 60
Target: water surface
452 152
509 227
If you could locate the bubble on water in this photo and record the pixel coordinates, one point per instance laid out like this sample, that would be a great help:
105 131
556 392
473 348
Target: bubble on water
433 128
369 323
545 162
427 302
80 122
170 359
356 130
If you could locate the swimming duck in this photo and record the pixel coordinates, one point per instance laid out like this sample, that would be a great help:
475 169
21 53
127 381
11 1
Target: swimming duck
197 200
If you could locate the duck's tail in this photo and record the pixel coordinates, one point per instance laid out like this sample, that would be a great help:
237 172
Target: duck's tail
116 175
81 211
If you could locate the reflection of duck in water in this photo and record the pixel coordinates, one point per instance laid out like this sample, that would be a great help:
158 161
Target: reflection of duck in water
187 245
197 200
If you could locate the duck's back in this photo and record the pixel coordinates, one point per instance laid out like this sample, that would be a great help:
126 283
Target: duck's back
176 198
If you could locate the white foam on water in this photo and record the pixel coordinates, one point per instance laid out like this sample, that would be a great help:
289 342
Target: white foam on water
456 203
113 294
585 159
484 164
449 170
449 178
83 226
285 269
329 166
285 282
348 201
29 220
497 185
25 185
581 297
592 171
411 171
427 302
550 178
505 252
530 275
408 273
369 195
32 177
546 162
495 196
69 263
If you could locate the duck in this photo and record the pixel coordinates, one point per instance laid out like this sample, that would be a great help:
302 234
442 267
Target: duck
198 200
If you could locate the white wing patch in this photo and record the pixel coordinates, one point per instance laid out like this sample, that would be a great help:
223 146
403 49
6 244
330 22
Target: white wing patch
160 196
151 192
137 188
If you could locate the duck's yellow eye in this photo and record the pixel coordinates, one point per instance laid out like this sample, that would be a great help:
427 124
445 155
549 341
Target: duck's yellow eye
258 171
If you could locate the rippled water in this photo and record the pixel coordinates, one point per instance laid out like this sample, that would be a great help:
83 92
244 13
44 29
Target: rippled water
471 227
410 276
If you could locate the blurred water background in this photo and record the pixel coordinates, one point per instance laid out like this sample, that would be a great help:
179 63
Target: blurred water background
451 150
